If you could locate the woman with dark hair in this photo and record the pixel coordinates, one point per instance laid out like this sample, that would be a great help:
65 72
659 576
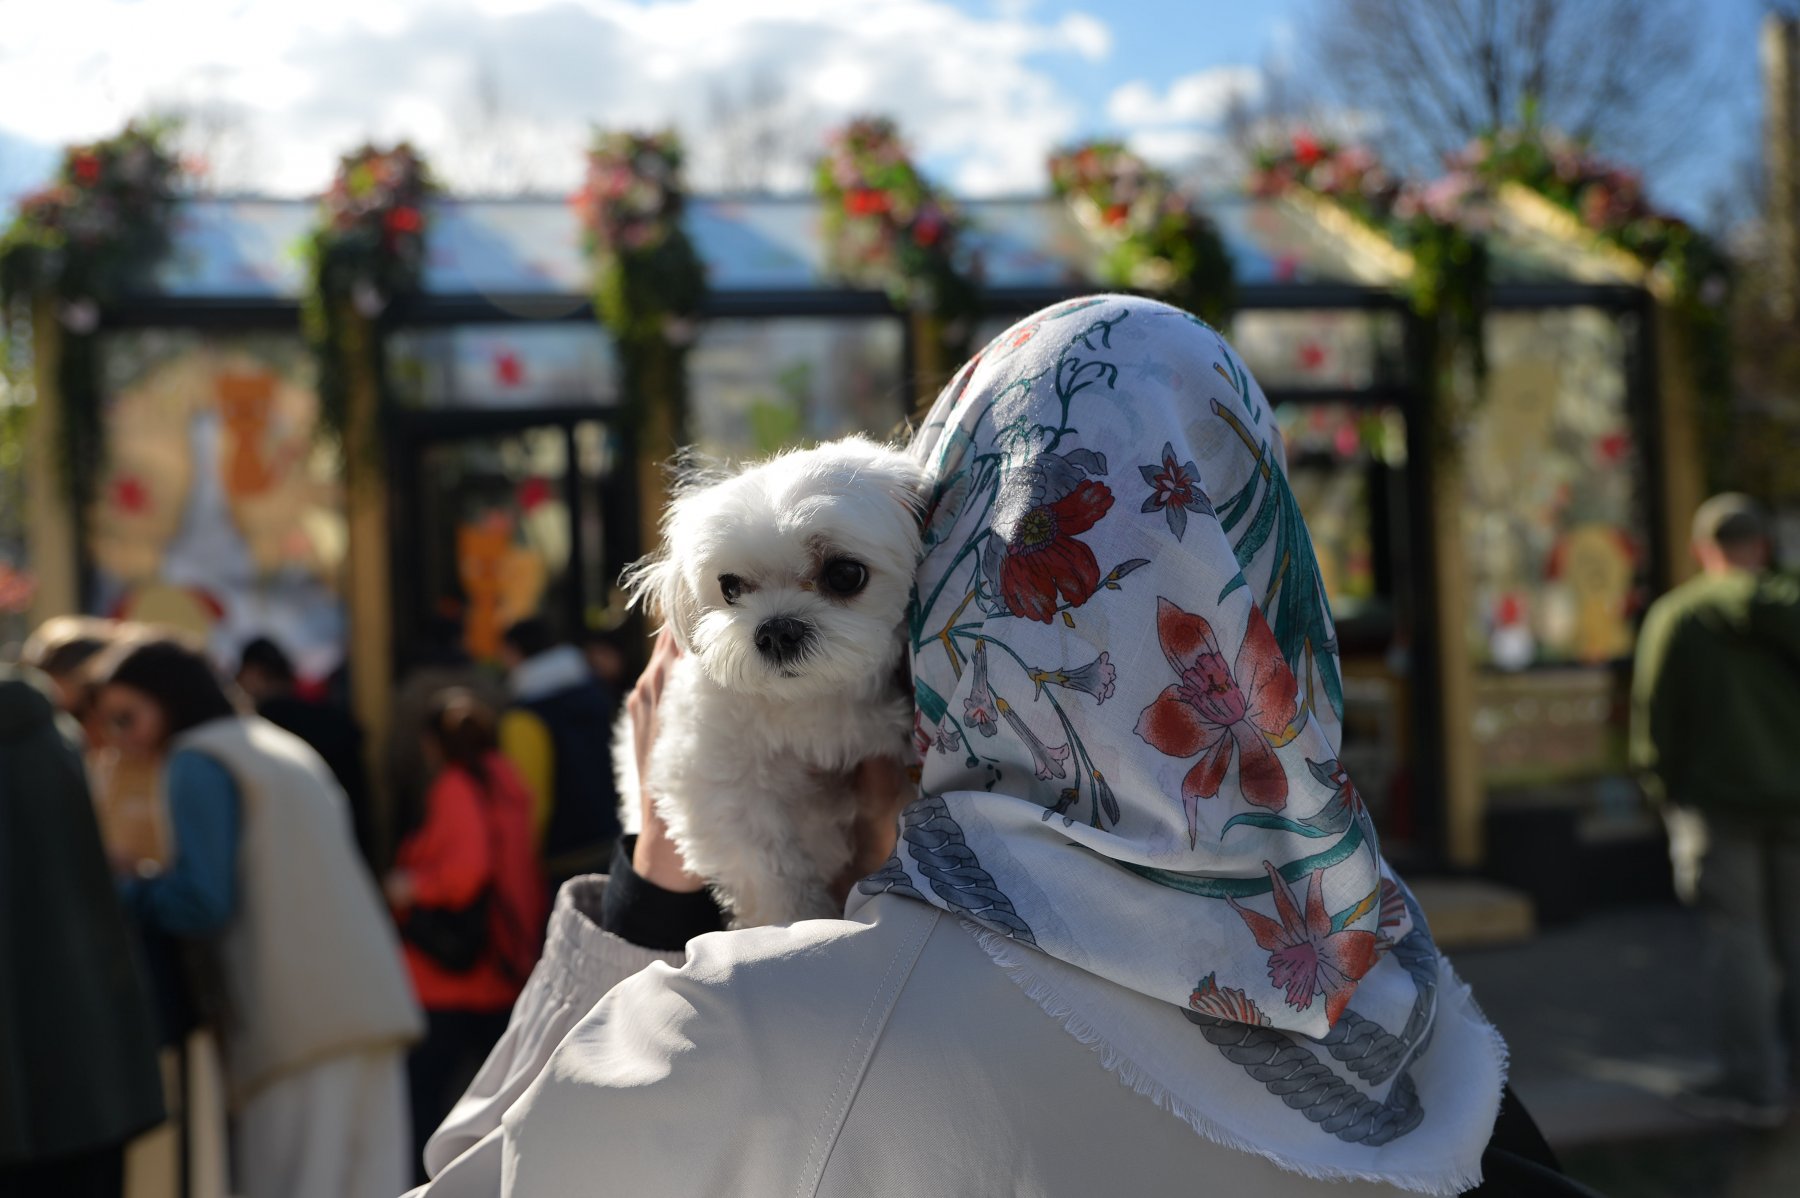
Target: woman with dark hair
132 827
315 1007
469 896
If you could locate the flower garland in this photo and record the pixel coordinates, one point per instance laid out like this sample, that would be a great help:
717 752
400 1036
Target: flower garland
649 282
1684 266
1438 226
886 227
1152 236
78 245
366 249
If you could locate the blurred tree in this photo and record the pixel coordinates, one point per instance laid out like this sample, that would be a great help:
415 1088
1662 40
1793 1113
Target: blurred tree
212 133
492 152
1632 77
758 137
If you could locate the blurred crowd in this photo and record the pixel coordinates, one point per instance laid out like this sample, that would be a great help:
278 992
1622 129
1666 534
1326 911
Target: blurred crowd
214 937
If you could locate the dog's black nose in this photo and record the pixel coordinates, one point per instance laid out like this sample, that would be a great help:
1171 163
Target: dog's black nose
781 638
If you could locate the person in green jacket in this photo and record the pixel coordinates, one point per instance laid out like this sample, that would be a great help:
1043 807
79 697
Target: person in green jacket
78 1069
1715 733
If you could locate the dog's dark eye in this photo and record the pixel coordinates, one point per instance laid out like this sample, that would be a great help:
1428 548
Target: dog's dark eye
842 576
731 586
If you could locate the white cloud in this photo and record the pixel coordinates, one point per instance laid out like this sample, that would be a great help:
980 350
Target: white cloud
1086 36
503 92
1202 98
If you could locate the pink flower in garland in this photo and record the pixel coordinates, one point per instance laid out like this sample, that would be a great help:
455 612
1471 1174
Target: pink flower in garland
1306 957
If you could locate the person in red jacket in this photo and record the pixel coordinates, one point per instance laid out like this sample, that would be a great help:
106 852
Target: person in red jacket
469 896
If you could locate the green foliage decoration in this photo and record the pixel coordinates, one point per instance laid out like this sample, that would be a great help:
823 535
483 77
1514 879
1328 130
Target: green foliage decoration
888 228
1440 225
366 249
1152 237
77 247
649 282
1687 269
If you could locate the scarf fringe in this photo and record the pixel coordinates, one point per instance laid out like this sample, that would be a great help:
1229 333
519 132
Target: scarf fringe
1132 1075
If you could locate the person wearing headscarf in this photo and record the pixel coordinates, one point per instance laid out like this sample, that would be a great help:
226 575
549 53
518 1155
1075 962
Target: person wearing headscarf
1135 935
78 1071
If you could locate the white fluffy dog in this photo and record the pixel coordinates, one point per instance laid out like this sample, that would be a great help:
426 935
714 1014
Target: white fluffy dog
785 586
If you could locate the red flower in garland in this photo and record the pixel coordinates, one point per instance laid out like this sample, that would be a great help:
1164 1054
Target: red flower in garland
867 201
404 220
1213 710
1034 555
1305 956
86 167
1307 149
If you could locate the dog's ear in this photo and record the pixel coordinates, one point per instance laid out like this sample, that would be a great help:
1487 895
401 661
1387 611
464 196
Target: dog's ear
906 481
654 583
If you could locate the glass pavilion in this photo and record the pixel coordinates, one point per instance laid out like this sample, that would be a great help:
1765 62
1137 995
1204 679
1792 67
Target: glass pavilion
511 469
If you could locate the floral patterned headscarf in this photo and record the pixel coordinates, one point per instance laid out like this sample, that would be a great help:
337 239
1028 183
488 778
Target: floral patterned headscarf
1129 711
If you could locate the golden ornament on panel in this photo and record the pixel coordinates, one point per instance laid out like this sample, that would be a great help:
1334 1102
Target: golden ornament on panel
265 463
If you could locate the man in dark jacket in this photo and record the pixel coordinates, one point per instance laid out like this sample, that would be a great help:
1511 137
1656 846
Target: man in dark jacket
1715 716
558 735
78 1071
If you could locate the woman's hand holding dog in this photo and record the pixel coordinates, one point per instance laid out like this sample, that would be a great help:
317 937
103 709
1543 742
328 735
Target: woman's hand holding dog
655 858
882 790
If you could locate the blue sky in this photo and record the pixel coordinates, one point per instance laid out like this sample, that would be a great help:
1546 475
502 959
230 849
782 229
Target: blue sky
984 88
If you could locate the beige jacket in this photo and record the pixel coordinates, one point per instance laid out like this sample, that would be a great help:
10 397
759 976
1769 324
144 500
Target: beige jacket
885 1054
311 962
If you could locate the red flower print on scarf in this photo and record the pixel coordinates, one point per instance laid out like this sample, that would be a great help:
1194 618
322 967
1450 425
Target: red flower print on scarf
1213 710
1035 556
1043 557
1305 956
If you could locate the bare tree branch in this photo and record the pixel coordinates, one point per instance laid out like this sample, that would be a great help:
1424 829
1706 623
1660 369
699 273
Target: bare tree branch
1630 75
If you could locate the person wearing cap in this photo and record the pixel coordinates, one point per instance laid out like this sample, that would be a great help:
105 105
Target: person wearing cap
1715 708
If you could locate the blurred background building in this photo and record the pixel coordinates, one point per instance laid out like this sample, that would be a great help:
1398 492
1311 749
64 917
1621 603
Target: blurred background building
1490 526
511 469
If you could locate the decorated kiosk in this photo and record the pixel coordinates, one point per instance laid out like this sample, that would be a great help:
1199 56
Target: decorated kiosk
384 429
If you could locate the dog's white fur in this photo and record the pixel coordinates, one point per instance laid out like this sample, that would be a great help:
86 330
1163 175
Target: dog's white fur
752 760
